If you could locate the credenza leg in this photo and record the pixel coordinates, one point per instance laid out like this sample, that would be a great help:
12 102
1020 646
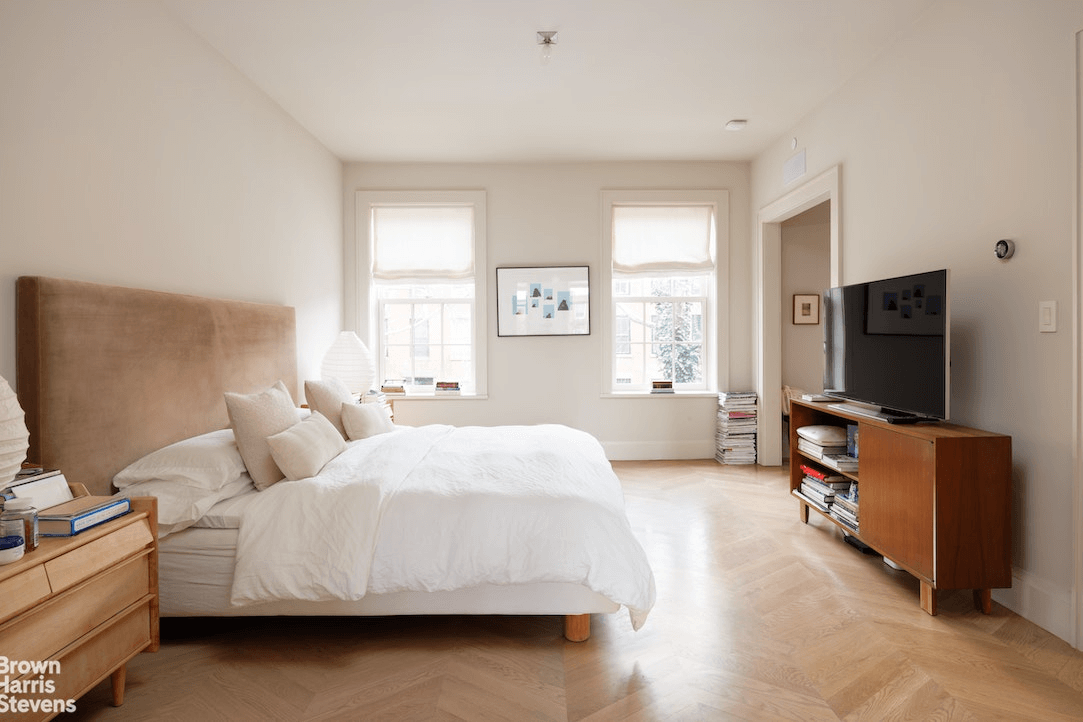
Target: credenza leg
804 512
117 678
983 600
928 598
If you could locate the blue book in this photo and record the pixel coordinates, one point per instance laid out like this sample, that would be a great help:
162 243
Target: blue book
80 514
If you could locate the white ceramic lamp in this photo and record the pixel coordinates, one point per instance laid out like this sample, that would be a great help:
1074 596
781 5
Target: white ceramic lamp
350 361
14 438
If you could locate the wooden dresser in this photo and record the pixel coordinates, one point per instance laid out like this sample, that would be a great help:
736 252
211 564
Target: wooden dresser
80 607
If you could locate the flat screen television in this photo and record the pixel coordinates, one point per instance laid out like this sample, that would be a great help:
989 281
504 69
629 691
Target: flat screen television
887 346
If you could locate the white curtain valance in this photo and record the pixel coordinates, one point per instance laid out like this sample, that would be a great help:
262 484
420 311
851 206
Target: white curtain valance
650 238
422 241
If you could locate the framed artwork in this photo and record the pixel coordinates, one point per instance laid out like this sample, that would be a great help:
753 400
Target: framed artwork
543 301
806 308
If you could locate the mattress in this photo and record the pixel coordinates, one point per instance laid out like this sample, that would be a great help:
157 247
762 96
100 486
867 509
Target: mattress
196 576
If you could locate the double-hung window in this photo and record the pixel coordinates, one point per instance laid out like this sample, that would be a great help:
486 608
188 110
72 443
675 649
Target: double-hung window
424 257
661 250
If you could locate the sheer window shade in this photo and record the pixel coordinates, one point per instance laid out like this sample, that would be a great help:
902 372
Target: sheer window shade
423 242
648 238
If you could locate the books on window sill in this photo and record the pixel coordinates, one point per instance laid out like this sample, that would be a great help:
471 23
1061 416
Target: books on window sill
393 387
80 514
447 388
661 387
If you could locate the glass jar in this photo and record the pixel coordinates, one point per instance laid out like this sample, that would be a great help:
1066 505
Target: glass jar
23 512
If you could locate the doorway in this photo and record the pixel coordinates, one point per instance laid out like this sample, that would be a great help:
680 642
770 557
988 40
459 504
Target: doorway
769 309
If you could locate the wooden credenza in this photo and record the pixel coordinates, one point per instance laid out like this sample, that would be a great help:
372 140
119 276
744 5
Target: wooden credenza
935 499
78 608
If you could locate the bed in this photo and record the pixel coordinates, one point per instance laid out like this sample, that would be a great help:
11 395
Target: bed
112 379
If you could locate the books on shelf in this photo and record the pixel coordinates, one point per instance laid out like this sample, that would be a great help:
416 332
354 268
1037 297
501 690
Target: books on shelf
810 500
817 451
80 514
839 461
735 427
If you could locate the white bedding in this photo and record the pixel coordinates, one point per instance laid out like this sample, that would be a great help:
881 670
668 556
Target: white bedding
452 508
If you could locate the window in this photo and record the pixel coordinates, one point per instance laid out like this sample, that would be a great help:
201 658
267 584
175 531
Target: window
661 249
421 256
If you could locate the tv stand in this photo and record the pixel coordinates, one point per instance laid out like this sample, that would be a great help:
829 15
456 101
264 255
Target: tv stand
934 498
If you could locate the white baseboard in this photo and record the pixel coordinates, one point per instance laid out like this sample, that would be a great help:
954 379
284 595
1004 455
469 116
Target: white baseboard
653 450
1037 601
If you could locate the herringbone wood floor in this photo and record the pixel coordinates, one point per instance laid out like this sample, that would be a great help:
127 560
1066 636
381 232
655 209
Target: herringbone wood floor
759 617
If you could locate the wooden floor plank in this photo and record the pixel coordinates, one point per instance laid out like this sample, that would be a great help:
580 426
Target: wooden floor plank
759 617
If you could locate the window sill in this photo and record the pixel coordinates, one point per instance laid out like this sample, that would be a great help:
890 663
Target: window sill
649 395
434 397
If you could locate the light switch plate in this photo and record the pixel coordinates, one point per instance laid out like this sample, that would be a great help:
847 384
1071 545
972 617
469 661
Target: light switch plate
1047 316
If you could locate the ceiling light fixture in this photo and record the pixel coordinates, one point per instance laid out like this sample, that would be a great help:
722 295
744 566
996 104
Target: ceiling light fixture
547 39
736 124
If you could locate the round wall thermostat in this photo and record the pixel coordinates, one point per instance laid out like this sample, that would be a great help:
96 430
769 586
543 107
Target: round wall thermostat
1004 249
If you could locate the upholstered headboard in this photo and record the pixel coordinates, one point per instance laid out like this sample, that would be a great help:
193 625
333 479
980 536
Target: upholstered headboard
106 374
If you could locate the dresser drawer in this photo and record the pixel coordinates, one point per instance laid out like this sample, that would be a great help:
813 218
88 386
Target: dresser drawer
22 591
89 559
48 628
81 664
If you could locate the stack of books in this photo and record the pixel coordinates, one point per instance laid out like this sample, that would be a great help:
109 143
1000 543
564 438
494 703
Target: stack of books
826 444
393 387
661 387
447 388
735 432
844 508
822 488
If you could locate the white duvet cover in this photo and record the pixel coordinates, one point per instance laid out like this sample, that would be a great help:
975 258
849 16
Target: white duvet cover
453 508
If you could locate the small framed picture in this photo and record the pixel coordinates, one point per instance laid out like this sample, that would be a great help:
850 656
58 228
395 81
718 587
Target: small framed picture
806 308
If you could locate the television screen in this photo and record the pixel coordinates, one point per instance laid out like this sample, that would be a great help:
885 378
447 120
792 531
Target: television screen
887 344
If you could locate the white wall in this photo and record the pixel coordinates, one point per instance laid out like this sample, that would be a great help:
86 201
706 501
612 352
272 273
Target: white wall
550 214
133 154
806 252
963 133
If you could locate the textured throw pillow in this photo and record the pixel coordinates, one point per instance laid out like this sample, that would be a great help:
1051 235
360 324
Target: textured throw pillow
254 418
327 397
364 420
303 449
208 461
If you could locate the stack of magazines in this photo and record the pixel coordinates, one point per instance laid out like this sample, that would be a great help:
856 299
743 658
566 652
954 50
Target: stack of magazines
735 433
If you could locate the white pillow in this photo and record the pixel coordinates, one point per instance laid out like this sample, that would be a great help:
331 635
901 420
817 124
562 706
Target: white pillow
208 461
254 418
303 449
364 420
327 397
179 505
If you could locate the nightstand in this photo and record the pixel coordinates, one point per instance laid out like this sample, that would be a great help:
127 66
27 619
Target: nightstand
76 609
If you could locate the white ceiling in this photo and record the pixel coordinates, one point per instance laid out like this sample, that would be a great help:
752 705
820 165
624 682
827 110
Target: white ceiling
462 80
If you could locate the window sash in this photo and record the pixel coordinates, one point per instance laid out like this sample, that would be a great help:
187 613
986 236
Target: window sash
421 350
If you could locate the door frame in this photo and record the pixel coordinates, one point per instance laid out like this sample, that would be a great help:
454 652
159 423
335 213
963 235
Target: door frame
768 295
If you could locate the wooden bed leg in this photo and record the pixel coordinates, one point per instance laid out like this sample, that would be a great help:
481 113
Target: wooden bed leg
117 678
577 627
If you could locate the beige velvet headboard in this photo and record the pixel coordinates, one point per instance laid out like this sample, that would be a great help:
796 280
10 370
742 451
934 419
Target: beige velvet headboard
107 374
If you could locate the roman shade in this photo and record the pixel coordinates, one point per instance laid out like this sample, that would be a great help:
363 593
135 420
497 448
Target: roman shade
423 241
652 238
